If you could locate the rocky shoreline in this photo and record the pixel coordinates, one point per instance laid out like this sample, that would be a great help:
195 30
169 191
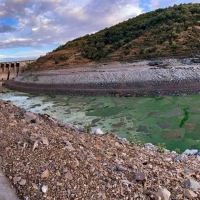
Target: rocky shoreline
46 159
170 76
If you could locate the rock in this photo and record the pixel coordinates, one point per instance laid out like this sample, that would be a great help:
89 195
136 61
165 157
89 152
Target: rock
166 151
16 179
35 186
155 63
36 144
140 176
22 182
151 146
180 157
164 194
196 60
194 185
70 148
187 61
126 183
186 170
44 188
30 117
167 159
120 168
190 152
45 174
45 141
189 194
198 153
156 197
97 131
68 176
58 173
198 158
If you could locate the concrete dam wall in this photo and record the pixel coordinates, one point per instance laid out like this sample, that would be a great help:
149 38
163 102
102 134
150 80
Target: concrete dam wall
10 70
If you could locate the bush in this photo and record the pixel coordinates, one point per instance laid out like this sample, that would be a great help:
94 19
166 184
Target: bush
161 147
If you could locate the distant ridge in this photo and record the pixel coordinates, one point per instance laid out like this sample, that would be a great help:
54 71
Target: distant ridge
173 31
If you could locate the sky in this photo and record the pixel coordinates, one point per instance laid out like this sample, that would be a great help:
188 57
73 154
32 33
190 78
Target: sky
31 28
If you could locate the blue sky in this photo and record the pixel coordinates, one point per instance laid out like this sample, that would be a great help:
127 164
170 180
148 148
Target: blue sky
30 28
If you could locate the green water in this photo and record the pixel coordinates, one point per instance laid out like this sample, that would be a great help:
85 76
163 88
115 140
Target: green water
173 120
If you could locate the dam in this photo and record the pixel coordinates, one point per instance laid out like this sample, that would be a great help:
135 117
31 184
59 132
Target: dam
10 70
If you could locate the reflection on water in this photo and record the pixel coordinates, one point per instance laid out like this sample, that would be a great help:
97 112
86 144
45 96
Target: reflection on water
173 120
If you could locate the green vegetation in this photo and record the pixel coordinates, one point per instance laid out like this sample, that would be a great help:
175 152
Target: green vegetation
177 150
186 116
135 141
88 128
172 31
161 147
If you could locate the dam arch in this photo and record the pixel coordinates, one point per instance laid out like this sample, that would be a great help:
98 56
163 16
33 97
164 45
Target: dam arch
10 70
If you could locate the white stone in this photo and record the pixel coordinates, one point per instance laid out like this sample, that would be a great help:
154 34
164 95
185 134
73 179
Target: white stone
190 152
99 131
44 188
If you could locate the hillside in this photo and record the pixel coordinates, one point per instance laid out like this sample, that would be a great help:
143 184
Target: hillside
173 31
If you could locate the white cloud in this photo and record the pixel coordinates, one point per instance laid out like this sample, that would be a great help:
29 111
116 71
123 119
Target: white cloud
44 22
49 21
154 4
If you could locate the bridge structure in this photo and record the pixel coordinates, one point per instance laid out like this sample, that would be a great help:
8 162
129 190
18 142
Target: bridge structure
10 70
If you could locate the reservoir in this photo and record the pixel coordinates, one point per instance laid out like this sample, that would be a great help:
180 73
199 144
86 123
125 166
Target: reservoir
173 120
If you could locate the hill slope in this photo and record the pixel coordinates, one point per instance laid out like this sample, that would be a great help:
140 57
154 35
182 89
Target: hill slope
173 31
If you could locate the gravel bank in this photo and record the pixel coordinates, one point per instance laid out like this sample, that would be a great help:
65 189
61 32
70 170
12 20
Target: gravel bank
45 160
171 76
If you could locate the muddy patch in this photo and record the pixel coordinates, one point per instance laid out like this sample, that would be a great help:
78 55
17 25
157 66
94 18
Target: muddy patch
172 134
142 129
118 125
189 126
164 125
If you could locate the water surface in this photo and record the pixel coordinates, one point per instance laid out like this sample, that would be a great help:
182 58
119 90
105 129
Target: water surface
173 120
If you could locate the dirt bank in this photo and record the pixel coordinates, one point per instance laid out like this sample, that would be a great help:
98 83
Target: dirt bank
45 160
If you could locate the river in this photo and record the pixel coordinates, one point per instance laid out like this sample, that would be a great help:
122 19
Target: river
173 120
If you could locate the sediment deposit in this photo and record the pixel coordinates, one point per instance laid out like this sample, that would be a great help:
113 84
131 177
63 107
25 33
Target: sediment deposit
172 76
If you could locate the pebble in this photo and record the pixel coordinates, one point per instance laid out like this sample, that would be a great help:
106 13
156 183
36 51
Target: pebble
120 168
44 188
186 170
22 182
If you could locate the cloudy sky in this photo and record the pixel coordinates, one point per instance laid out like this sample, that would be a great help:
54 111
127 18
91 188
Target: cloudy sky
30 28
